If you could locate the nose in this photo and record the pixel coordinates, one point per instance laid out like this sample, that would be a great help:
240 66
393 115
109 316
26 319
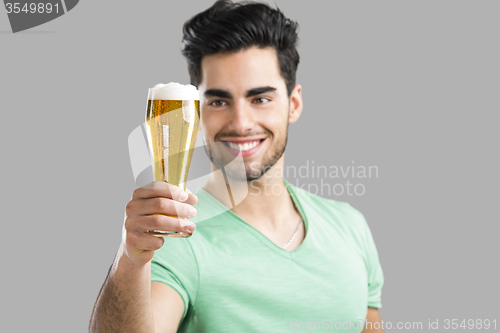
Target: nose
242 118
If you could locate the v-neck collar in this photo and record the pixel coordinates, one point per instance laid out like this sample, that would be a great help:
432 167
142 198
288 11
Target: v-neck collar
288 254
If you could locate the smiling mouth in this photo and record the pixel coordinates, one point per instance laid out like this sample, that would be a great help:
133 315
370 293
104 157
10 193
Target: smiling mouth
243 146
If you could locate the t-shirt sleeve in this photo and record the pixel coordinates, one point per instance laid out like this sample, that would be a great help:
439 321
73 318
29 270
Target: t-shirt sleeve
175 265
373 267
375 274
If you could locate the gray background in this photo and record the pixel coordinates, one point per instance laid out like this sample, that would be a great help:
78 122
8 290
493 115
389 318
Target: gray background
410 87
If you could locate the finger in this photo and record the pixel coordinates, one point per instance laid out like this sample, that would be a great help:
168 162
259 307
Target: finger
158 222
160 206
160 189
192 198
143 242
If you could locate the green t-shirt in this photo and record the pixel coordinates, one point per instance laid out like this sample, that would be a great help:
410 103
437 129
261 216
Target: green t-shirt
232 278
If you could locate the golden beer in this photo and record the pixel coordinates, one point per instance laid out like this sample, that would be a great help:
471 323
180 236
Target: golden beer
172 118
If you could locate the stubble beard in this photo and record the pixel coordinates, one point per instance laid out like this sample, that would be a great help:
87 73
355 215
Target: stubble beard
253 171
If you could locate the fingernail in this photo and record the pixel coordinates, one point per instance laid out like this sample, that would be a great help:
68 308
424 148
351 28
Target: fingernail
184 196
191 227
192 212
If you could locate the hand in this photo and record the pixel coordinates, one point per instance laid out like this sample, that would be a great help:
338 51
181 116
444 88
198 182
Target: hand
148 210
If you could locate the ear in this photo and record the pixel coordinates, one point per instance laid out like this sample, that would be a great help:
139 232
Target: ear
295 104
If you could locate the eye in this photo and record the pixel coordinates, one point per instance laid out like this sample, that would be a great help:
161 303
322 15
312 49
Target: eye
217 102
261 100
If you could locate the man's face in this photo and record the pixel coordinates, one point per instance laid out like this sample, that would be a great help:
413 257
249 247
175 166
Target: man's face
245 108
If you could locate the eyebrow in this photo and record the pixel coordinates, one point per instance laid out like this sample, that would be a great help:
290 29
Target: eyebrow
218 93
258 91
226 94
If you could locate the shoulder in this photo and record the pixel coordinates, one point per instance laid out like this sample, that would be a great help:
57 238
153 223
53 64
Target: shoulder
176 253
326 205
333 211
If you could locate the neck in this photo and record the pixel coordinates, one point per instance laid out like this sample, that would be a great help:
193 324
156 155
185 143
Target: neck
263 203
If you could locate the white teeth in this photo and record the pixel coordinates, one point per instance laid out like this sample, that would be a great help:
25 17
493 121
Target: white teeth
243 147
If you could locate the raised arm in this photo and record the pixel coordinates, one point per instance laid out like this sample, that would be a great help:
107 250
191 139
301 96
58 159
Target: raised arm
125 302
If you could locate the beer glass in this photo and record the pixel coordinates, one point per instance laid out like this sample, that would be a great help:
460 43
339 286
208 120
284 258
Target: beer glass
172 122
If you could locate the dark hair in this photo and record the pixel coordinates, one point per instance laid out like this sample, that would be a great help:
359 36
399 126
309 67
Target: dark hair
231 27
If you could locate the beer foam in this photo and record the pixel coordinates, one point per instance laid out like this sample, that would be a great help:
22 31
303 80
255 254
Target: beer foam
174 91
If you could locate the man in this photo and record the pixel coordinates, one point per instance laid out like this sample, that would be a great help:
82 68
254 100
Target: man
281 259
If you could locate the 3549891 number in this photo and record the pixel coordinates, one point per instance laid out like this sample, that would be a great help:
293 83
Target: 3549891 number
469 324
31 8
